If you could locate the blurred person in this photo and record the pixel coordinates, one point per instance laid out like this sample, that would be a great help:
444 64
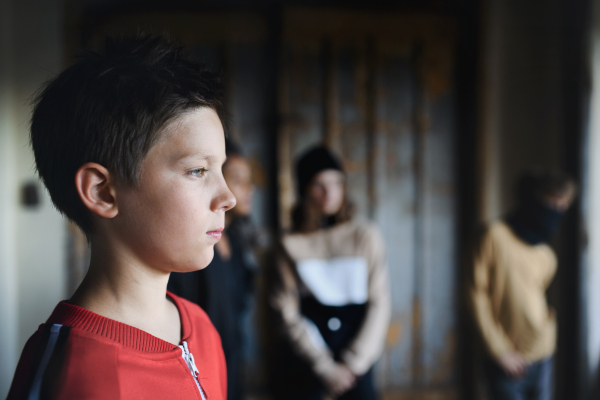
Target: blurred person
223 289
513 266
129 143
332 296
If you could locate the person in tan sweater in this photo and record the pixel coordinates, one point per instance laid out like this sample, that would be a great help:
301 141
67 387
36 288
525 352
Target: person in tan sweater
332 296
513 265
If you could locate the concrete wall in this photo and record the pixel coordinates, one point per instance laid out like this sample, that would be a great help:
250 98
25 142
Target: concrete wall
591 197
524 112
522 116
521 95
8 295
32 241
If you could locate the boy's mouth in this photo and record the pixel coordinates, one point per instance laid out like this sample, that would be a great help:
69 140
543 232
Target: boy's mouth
216 234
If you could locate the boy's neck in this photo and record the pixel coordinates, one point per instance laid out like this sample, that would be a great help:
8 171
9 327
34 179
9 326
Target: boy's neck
120 287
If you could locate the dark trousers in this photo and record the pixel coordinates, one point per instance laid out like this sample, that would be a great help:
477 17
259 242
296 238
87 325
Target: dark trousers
293 379
364 389
312 389
534 384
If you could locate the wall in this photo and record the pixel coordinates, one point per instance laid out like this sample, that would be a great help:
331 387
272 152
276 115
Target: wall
521 95
8 295
591 196
32 241
378 88
534 88
522 125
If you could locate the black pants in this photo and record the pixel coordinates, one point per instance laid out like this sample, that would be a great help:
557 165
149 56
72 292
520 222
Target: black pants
293 379
364 389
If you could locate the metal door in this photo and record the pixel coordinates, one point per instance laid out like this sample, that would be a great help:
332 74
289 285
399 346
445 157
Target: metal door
378 90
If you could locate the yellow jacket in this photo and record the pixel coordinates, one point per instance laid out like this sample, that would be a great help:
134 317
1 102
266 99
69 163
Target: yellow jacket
507 294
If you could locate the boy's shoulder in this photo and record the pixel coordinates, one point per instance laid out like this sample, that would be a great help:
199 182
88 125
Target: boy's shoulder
56 354
196 324
88 356
198 330
193 310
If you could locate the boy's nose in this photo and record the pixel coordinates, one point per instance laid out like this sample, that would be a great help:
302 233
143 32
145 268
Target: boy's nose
226 200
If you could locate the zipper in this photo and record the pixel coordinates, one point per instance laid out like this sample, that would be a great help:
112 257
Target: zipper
189 361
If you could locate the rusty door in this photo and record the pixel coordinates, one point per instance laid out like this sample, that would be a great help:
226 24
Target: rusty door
377 89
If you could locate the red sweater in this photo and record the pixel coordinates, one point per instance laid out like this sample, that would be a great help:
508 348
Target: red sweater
78 354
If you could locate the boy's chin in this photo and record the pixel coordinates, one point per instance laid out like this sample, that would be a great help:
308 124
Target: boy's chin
201 263
190 268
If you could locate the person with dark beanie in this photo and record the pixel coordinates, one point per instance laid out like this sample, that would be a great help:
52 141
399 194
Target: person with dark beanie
513 265
332 294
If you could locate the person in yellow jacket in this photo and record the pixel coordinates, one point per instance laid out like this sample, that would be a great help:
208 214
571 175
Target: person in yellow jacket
512 267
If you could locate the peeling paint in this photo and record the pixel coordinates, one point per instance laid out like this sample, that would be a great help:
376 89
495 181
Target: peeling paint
394 333
376 78
445 360
259 175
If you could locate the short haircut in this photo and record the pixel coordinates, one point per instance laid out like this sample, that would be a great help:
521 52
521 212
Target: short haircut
539 183
109 108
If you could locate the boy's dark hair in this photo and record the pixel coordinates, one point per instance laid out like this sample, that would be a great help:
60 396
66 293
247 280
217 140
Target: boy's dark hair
109 108
540 183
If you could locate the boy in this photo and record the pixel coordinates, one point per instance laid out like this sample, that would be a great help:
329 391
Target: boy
512 268
130 145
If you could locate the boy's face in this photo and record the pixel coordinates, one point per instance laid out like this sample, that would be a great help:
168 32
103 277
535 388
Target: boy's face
175 216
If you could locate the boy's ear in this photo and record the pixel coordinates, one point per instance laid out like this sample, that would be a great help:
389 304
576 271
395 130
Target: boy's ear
95 186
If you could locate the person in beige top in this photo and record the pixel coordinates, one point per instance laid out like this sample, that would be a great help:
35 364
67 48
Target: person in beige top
332 296
513 265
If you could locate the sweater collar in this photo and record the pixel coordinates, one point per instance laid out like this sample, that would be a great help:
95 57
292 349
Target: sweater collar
126 335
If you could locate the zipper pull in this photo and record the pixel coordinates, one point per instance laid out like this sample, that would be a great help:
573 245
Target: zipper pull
194 364
190 358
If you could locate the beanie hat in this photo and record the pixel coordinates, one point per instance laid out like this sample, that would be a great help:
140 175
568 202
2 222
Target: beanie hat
311 163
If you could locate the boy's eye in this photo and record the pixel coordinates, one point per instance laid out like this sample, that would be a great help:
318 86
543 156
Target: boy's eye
197 172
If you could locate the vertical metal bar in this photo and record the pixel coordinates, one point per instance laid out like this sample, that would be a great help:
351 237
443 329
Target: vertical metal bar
284 178
331 126
371 121
274 19
418 168
576 90
227 75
